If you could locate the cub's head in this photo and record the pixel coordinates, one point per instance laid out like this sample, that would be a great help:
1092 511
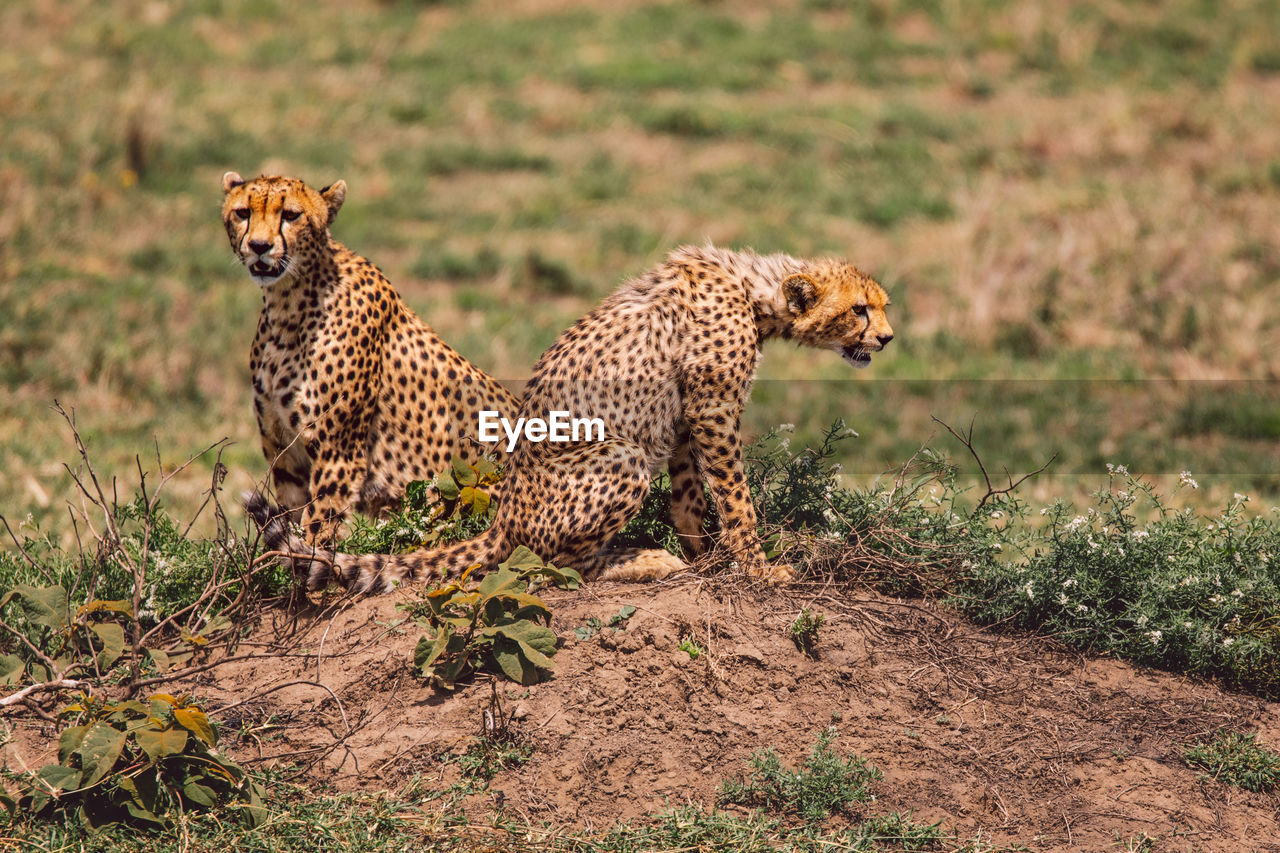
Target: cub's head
835 306
275 223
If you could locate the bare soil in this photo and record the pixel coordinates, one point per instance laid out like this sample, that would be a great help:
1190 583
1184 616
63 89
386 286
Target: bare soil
1008 738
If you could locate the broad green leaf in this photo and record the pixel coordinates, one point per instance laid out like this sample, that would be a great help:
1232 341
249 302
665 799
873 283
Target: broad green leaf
195 720
99 751
11 669
143 789
526 631
9 803
111 635
69 741
500 581
494 608
197 793
429 649
59 777
257 813
446 487
217 623
44 606
145 815
522 559
160 659
463 474
524 599
513 664
131 707
159 743
536 657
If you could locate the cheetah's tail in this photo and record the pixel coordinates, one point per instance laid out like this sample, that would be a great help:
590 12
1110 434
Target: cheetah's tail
365 573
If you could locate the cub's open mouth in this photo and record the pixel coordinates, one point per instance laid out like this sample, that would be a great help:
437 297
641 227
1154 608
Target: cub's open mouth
856 356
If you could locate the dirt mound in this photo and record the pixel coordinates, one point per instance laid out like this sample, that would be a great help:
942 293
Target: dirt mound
1007 737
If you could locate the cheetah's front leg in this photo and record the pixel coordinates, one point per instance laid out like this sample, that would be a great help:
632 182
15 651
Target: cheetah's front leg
716 435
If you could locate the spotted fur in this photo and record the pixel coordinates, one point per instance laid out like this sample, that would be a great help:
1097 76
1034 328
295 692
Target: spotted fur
667 361
355 396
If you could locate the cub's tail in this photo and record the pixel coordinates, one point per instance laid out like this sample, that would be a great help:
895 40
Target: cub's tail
366 573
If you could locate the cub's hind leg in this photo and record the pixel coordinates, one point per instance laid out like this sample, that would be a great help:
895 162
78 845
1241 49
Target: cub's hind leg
688 498
596 488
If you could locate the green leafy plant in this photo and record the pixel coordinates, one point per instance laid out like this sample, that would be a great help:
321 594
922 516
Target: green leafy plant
595 625
690 647
804 630
460 508
1237 759
490 626
826 782
139 764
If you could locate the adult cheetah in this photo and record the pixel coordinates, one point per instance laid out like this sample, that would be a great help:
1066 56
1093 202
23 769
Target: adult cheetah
355 396
667 362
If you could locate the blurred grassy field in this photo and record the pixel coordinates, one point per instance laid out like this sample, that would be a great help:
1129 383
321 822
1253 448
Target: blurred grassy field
1074 207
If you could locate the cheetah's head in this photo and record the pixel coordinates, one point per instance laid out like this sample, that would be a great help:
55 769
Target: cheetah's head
835 306
274 222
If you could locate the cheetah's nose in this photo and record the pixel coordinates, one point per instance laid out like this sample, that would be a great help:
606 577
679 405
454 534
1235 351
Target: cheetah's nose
259 247
884 339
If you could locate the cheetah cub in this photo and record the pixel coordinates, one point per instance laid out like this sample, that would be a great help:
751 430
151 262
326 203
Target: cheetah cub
355 396
667 363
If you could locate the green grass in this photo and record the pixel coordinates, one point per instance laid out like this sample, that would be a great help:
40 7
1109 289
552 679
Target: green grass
1235 758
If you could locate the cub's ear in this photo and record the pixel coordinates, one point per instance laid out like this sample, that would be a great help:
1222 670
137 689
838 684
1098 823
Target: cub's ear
230 181
800 292
334 195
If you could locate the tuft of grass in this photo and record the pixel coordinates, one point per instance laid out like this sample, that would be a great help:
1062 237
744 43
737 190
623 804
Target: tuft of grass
824 784
804 630
1236 758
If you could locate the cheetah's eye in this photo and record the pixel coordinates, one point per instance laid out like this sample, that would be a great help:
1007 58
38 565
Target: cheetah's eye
241 213
860 310
290 215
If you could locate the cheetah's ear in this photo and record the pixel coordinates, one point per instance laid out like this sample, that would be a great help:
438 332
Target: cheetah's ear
801 293
334 195
230 181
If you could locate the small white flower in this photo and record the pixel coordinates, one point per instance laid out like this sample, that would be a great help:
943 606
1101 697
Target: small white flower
1185 479
1241 498
1140 534
1155 636
1027 589
787 428
1237 593
1082 608
850 432
1062 599
1069 582
1186 624
1228 642
1142 621
997 514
